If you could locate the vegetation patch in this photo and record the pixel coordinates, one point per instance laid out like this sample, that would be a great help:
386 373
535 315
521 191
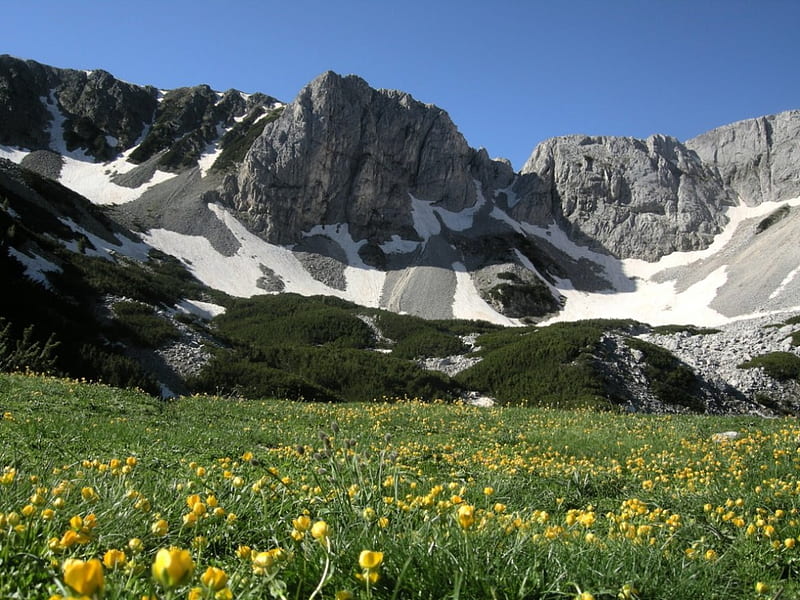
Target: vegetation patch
783 366
386 500
672 381
139 323
236 142
687 329
772 218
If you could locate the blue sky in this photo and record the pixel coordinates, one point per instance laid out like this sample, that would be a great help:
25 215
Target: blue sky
510 74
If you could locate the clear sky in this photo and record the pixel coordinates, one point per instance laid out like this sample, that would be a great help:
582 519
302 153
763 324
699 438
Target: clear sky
509 73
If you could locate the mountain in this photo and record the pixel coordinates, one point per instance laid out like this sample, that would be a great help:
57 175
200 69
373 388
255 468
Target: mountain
377 199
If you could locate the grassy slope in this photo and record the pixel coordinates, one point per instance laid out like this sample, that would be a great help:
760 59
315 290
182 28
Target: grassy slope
579 500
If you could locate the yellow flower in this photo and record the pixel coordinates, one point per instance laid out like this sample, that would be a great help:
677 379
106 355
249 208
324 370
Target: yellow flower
302 523
369 559
214 578
343 595
243 552
173 567
488 491
114 558
466 516
196 593
224 594
320 530
84 577
762 588
89 494
135 544
160 527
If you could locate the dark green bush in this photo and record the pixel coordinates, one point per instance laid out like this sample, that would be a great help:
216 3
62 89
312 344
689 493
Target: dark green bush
672 381
783 366
138 323
550 366
428 343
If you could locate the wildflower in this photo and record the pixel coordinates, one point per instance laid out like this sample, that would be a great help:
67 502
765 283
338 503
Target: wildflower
89 494
84 577
135 544
488 490
761 587
114 558
160 527
343 595
172 567
466 516
369 559
244 552
628 592
302 523
214 578
320 531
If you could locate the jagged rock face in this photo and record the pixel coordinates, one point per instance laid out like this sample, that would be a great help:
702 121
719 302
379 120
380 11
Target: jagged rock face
343 152
757 158
104 115
630 197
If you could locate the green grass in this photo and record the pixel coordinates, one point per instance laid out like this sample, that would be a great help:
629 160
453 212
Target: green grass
558 502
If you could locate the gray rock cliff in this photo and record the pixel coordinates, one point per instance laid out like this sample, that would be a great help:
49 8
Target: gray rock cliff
629 197
757 158
343 152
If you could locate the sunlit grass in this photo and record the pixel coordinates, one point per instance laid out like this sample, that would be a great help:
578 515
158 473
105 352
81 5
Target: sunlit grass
235 499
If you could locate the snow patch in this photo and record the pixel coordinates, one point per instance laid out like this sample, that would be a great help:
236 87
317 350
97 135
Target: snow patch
238 274
786 281
93 181
35 266
103 249
204 310
397 245
424 217
15 155
468 304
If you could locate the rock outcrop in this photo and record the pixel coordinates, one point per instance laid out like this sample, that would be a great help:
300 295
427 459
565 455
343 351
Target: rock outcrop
343 152
102 115
756 158
629 197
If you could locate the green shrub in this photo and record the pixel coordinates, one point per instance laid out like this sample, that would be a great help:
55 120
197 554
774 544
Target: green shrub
783 366
26 353
428 343
550 366
139 323
672 381
690 329
291 319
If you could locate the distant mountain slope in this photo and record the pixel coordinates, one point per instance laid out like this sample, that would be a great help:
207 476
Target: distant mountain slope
374 197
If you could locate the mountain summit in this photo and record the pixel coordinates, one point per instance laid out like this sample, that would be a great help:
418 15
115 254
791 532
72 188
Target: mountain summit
375 197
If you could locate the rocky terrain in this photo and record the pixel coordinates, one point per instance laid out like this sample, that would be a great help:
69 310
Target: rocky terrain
376 198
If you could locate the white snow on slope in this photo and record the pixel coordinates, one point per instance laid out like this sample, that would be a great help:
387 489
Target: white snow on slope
13 154
787 280
93 180
204 310
659 303
124 246
36 266
468 304
238 274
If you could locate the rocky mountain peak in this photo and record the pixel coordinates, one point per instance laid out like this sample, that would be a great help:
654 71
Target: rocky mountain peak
343 152
627 196
756 158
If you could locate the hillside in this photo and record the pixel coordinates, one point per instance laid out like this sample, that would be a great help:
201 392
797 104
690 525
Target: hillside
134 218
